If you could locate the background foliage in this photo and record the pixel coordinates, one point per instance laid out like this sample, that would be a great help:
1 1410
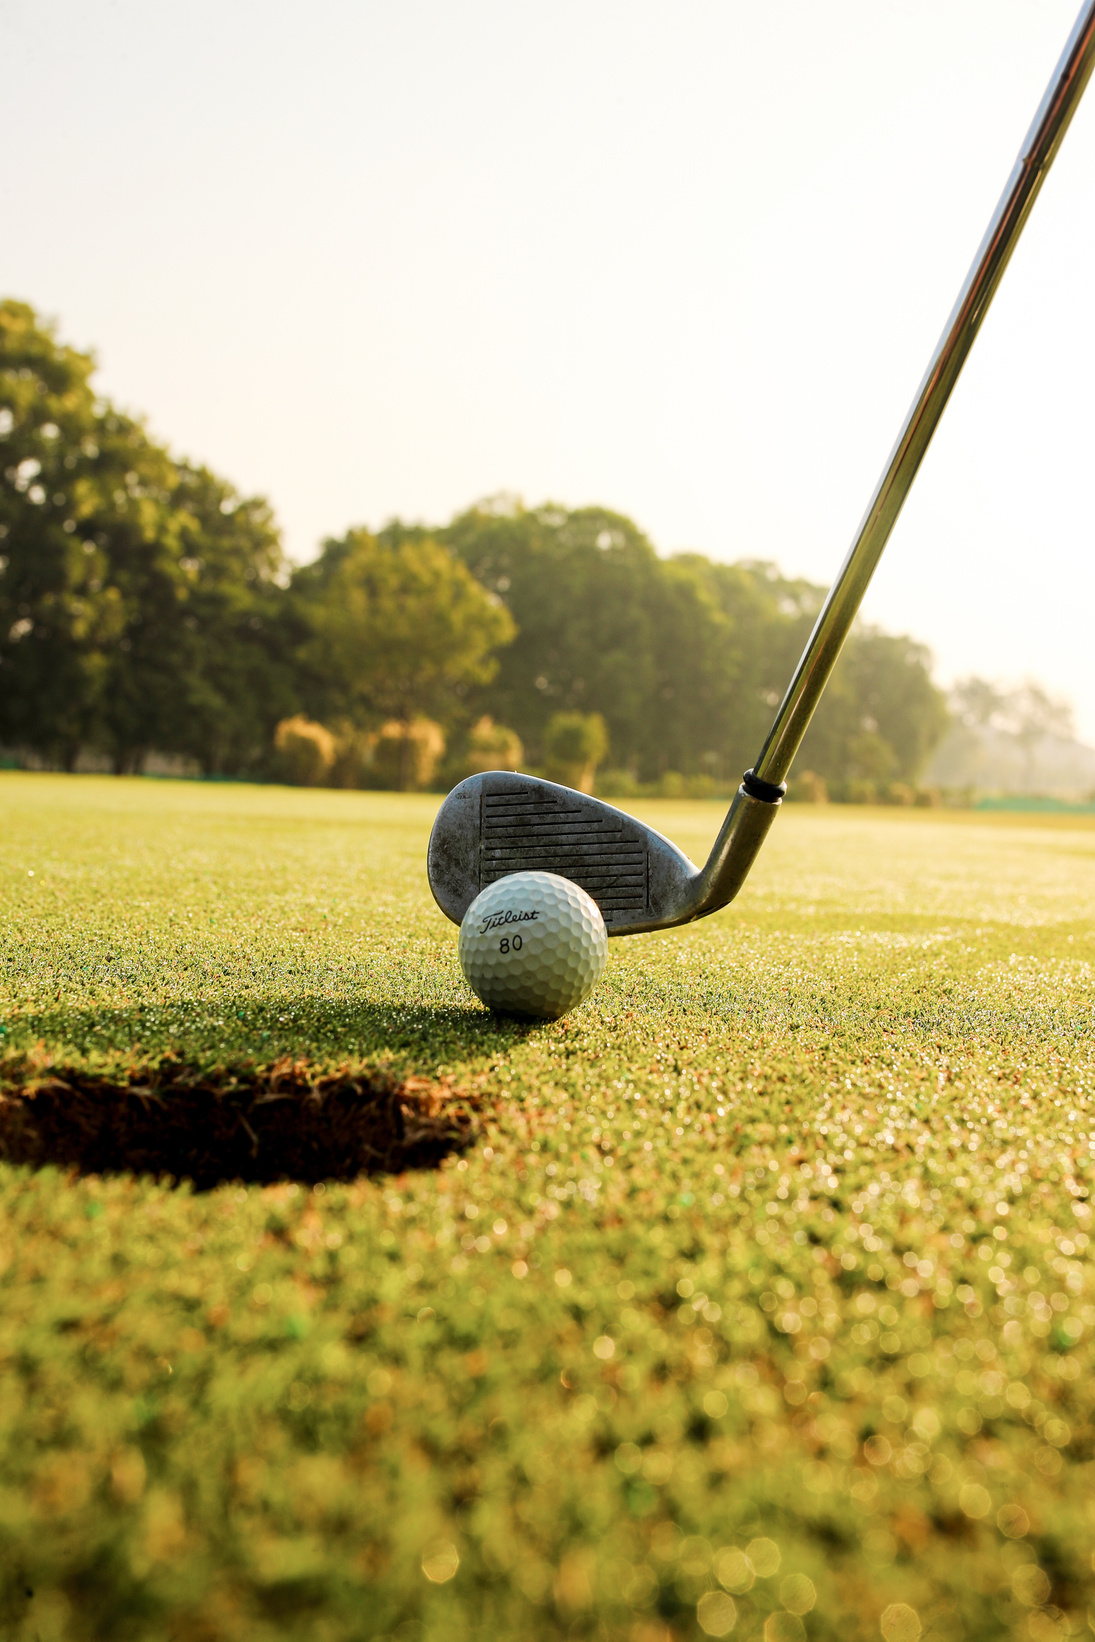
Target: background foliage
683 658
146 607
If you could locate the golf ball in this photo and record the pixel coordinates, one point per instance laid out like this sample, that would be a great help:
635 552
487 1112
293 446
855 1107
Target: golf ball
533 944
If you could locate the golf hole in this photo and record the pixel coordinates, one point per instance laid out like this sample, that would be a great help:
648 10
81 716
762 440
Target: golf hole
285 1122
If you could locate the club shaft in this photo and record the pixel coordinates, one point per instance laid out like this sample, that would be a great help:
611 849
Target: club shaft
842 604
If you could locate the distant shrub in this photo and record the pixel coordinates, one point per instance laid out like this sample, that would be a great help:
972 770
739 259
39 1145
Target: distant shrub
406 754
355 751
896 792
808 788
860 790
575 744
618 784
303 752
870 756
492 746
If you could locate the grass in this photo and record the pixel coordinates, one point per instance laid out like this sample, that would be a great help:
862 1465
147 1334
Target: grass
760 1303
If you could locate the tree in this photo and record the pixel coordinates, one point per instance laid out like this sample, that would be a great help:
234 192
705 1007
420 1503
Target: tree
1028 714
733 657
197 663
575 744
59 616
977 703
685 659
395 630
604 627
234 629
1030 711
492 746
139 599
134 535
579 588
406 753
881 688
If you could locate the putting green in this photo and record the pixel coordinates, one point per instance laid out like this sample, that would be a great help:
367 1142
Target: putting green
762 1304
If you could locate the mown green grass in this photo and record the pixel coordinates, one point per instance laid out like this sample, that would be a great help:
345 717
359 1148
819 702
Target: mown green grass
770 1275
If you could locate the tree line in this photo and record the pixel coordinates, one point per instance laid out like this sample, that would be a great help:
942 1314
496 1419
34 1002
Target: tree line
147 607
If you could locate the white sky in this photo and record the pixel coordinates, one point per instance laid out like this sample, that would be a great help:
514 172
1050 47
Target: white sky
686 259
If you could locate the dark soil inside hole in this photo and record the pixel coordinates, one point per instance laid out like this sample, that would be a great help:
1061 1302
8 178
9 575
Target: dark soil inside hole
280 1123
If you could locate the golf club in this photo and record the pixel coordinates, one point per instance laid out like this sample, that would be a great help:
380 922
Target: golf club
504 822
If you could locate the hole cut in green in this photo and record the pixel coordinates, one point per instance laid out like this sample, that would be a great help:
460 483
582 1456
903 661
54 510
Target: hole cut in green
287 1121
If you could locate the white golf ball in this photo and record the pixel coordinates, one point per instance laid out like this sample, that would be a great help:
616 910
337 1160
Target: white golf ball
533 944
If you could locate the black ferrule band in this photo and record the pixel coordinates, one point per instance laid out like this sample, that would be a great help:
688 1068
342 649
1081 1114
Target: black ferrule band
767 791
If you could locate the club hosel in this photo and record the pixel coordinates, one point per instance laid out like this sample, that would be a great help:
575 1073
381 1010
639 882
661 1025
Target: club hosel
735 849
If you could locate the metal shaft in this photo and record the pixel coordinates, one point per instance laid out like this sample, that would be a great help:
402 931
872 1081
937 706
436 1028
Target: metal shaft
839 610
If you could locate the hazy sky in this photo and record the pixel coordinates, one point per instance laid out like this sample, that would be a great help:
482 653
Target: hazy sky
685 259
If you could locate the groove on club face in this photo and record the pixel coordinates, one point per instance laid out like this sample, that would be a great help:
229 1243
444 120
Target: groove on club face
529 831
499 823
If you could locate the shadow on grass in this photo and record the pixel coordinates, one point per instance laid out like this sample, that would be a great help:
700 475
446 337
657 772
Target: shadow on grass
230 1028
285 1122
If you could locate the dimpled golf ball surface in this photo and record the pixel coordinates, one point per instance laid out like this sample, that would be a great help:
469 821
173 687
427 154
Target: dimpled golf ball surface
533 944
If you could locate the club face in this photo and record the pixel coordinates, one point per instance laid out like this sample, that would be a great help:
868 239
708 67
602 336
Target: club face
499 823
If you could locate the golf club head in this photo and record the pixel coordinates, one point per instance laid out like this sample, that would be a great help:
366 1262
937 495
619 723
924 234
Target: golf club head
502 822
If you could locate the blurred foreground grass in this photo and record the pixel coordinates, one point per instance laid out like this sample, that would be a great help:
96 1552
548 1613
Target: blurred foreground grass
763 1306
